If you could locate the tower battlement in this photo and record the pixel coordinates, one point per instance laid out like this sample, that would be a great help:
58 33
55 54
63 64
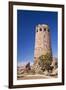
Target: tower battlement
42 27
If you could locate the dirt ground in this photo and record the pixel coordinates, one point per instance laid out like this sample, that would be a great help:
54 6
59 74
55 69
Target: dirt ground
35 77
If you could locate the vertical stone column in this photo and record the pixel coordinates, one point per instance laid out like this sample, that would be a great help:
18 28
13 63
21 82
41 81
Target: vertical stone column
42 41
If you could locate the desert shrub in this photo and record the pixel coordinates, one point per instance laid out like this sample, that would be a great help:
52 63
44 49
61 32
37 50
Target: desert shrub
45 61
28 66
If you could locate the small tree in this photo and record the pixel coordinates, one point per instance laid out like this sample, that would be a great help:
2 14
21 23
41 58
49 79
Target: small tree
45 61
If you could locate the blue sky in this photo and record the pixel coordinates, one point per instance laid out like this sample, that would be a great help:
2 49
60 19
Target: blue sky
26 23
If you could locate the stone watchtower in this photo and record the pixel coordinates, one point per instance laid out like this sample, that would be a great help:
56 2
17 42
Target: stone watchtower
42 41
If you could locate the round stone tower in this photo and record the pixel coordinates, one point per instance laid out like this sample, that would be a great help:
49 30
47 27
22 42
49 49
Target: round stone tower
42 41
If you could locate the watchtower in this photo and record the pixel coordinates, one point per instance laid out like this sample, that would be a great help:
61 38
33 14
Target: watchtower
42 41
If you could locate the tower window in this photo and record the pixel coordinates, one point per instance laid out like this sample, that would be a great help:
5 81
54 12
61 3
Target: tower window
40 29
44 29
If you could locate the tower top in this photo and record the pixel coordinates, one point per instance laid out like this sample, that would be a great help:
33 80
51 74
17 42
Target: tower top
42 27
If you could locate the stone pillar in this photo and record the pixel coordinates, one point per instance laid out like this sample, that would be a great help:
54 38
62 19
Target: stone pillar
42 41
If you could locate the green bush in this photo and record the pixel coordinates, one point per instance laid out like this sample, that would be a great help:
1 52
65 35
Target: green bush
45 61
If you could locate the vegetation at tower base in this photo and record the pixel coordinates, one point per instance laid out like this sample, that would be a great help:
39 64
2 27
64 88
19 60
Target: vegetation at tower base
47 67
45 62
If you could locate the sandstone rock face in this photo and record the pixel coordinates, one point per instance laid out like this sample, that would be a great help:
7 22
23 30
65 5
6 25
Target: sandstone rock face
54 63
46 73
